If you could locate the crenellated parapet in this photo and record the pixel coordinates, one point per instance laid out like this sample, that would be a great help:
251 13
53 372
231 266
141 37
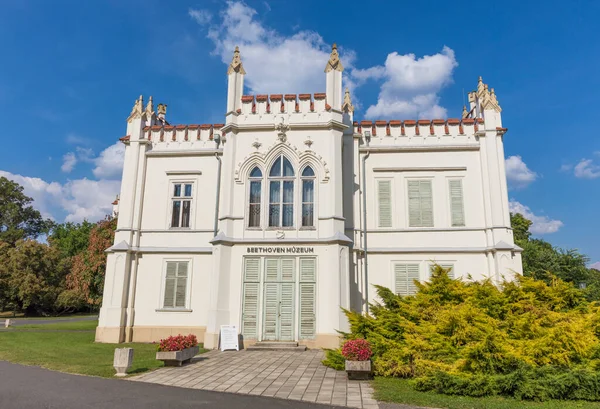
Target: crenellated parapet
443 129
182 136
280 104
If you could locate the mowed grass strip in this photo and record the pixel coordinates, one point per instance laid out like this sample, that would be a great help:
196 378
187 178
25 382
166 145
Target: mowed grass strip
400 391
65 326
72 352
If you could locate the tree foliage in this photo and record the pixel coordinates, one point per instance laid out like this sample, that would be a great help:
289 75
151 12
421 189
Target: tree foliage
86 279
18 219
474 338
543 261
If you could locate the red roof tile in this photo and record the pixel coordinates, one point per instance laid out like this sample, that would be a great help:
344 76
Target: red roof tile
290 97
275 97
380 123
395 123
247 98
320 95
304 97
262 98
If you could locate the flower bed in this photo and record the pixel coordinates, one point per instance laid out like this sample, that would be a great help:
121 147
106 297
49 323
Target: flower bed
177 350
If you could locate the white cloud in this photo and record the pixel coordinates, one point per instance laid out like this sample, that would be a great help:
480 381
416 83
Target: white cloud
274 63
411 85
596 265
541 224
69 162
518 174
79 199
587 169
200 16
109 163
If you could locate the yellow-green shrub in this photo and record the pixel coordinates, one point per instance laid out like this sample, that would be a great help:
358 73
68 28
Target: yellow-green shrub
474 338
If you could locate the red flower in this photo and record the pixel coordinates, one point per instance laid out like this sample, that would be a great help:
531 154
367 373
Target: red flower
177 343
357 350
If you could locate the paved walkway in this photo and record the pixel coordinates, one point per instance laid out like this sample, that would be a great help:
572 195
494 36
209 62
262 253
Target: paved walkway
288 375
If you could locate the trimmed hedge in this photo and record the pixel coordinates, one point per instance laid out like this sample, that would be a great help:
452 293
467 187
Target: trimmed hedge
524 339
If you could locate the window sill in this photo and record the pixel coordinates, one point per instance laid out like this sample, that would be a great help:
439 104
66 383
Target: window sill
275 228
173 310
308 228
180 228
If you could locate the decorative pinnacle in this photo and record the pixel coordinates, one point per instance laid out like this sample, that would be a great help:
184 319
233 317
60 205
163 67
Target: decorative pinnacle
150 106
347 105
136 112
464 112
236 63
334 63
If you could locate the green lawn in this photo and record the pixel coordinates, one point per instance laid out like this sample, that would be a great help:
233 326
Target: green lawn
21 317
399 391
72 352
68 326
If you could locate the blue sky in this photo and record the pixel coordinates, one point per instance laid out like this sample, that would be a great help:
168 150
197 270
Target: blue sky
71 71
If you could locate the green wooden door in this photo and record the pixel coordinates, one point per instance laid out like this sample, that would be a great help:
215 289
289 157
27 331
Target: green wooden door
279 305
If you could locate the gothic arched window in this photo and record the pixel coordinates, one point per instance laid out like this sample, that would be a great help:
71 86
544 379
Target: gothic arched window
308 197
255 197
281 193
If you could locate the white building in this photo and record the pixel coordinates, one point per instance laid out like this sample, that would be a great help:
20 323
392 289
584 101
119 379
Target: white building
267 221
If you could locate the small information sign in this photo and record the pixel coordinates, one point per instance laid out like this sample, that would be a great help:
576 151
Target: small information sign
229 338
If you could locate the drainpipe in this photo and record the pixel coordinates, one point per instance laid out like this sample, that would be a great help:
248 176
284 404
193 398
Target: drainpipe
364 226
216 228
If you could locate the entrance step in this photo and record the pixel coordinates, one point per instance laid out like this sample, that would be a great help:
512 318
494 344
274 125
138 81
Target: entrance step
277 346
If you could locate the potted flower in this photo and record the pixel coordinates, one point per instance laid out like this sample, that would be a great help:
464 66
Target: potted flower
178 349
358 358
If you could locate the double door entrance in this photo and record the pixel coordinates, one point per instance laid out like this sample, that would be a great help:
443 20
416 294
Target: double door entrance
279 304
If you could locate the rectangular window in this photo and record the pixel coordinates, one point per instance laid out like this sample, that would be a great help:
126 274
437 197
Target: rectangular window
384 202
281 203
308 202
176 284
181 205
254 210
404 278
447 267
420 203
456 203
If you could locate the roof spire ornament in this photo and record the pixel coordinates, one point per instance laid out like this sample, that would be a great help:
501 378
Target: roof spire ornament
464 112
236 63
150 107
334 63
347 105
136 112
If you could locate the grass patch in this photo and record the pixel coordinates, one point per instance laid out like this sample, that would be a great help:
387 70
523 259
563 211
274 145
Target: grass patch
399 391
65 326
72 352
21 317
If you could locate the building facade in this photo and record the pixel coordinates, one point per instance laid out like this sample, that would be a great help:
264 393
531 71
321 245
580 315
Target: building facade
290 211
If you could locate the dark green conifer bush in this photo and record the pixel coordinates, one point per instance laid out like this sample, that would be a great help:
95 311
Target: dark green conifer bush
526 339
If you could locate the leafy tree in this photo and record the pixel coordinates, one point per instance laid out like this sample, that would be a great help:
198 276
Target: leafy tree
71 238
86 279
543 261
18 219
520 227
31 276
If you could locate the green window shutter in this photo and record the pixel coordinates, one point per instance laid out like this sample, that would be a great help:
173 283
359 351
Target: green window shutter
308 269
170 283
288 267
307 310
250 311
181 285
271 269
457 203
404 277
252 270
271 311
420 203
250 298
286 312
426 203
384 200
414 204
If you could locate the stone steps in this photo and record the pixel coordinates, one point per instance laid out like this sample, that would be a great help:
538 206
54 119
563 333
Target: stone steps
277 346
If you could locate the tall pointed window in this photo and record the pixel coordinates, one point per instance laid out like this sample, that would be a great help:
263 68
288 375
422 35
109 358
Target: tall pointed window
281 193
308 197
255 197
